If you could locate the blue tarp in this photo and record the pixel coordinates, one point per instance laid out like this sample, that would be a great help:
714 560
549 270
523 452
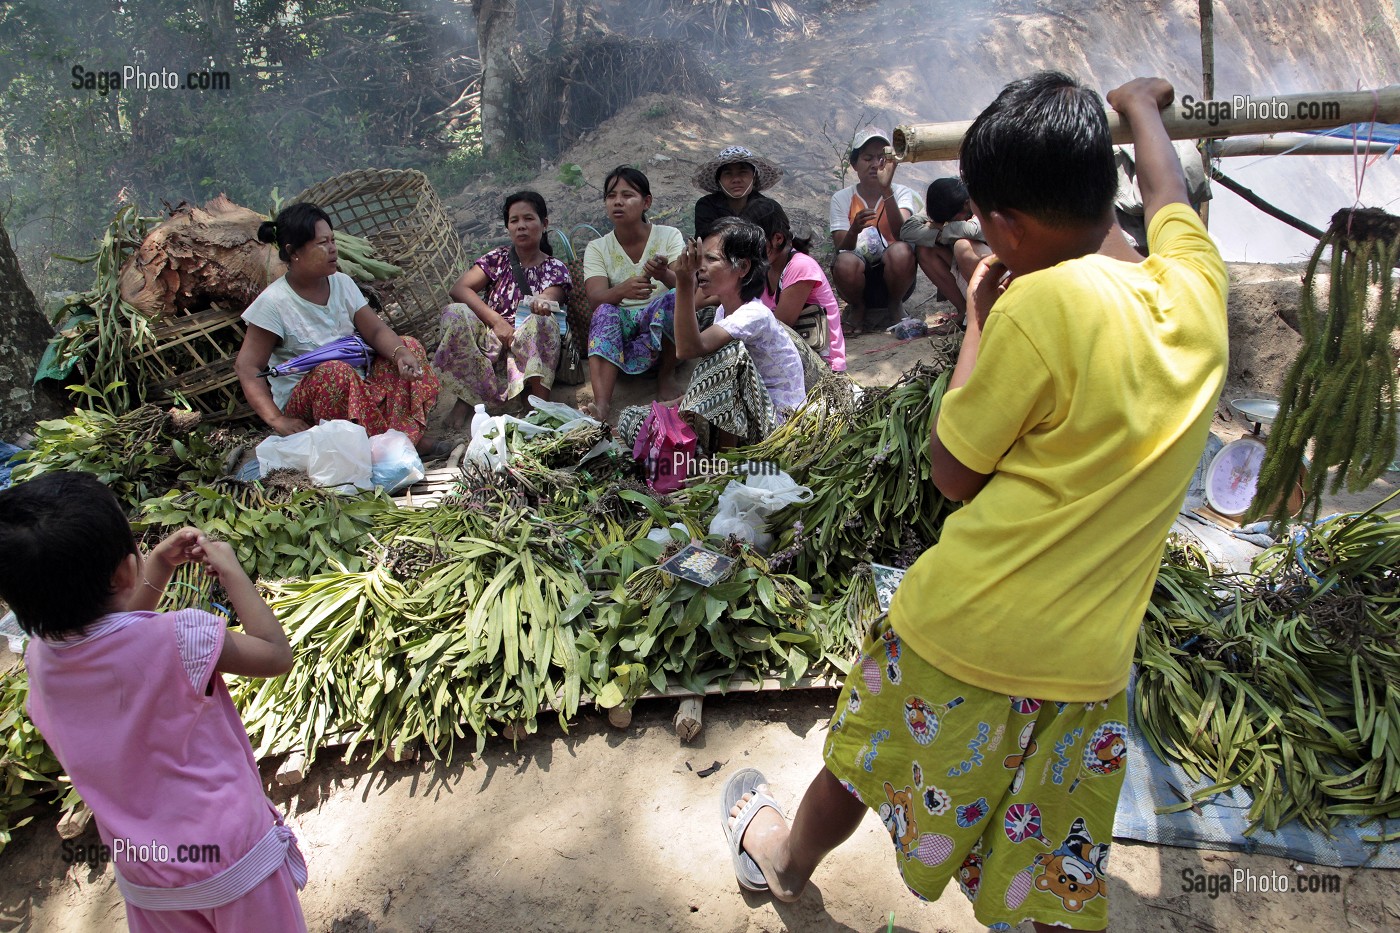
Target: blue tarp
1220 822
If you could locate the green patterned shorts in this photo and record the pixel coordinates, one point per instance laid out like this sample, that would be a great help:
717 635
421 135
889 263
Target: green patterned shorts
1012 796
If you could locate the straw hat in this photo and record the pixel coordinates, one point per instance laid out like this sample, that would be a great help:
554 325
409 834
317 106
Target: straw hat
706 177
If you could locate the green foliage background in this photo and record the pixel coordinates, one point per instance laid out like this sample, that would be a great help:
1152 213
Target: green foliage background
315 88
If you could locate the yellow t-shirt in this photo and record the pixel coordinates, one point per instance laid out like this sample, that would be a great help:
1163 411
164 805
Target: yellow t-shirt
1089 404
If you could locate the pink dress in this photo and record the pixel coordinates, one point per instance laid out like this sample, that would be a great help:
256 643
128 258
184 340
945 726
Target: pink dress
137 716
803 268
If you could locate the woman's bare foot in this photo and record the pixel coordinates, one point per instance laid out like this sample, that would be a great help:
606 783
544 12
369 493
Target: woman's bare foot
667 387
458 418
594 410
765 841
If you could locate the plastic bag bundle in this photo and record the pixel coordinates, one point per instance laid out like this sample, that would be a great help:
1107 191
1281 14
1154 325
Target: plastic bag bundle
335 454
744 508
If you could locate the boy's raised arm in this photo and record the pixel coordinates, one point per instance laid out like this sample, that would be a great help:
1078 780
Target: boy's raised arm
1159 176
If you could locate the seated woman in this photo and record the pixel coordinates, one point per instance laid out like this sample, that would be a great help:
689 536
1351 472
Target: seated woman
484 356
751 376
797 289
309 307
629 282
734 180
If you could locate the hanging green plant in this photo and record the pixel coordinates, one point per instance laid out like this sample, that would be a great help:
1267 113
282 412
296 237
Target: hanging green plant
1340 394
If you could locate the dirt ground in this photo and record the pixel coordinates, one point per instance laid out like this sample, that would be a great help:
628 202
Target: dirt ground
606 829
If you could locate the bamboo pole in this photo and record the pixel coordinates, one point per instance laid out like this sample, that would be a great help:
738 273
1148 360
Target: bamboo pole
1207 13
1293 144
1189 118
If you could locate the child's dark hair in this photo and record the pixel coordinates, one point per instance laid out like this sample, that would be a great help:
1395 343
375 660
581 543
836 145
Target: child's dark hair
743 239
1042 147
772 219
63 536
294 227
946 199
535 200
634 178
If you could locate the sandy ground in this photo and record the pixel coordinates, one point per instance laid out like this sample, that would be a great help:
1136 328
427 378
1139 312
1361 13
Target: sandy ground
604 829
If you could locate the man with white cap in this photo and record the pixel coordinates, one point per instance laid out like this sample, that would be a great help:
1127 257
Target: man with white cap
873 267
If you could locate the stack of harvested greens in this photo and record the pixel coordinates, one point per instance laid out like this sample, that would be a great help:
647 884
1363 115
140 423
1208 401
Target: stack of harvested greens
28 770
657 627
138 455
1282 680
873 499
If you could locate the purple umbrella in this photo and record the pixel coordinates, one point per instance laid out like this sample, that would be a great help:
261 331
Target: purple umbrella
351 349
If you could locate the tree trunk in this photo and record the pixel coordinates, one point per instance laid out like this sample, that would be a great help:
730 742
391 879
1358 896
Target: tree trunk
495 29
27 333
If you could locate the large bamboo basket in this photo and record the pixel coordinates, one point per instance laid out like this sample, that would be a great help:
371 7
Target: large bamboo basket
399 212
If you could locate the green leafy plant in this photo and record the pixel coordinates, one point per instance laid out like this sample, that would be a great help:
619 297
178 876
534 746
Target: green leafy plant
29 773
571 174
138 455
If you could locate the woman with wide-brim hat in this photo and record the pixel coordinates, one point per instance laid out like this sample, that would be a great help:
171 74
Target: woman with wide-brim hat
734 179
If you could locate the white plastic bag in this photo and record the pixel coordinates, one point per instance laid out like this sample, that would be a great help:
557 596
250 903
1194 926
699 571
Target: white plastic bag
744 508
334 454
567 415
488 444
396 461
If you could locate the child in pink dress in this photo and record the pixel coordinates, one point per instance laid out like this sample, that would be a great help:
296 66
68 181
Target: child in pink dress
131 703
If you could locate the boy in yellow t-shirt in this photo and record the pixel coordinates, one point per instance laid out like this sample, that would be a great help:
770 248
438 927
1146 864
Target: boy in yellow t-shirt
985 719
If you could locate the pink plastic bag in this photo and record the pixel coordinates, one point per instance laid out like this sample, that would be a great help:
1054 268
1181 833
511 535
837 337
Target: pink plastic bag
666 448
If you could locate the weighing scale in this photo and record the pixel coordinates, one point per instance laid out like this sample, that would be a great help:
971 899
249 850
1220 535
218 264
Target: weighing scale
1233 475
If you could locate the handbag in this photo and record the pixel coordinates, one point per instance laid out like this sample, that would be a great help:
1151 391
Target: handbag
811 326
665 447
573 361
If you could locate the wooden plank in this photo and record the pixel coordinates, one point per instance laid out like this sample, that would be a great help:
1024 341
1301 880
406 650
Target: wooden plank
1320 110
298 762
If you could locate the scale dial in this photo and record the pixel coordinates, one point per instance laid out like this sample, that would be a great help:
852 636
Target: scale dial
1233 476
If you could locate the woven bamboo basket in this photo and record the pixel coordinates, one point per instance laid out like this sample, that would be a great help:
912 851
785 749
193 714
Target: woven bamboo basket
398 211
192 358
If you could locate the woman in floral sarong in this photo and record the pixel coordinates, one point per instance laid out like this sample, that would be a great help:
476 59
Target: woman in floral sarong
629 282
309 307
484 355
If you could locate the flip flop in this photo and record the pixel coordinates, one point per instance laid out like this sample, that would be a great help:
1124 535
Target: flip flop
945 323
740 783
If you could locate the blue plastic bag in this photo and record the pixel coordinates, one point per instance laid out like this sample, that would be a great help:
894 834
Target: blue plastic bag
395 460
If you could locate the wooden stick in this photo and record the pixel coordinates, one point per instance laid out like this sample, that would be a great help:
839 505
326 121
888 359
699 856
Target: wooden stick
688 720
1265 206
1188 118
74 822
293 770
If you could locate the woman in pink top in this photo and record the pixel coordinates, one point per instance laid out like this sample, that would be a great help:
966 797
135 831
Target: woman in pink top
796 280
131 703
